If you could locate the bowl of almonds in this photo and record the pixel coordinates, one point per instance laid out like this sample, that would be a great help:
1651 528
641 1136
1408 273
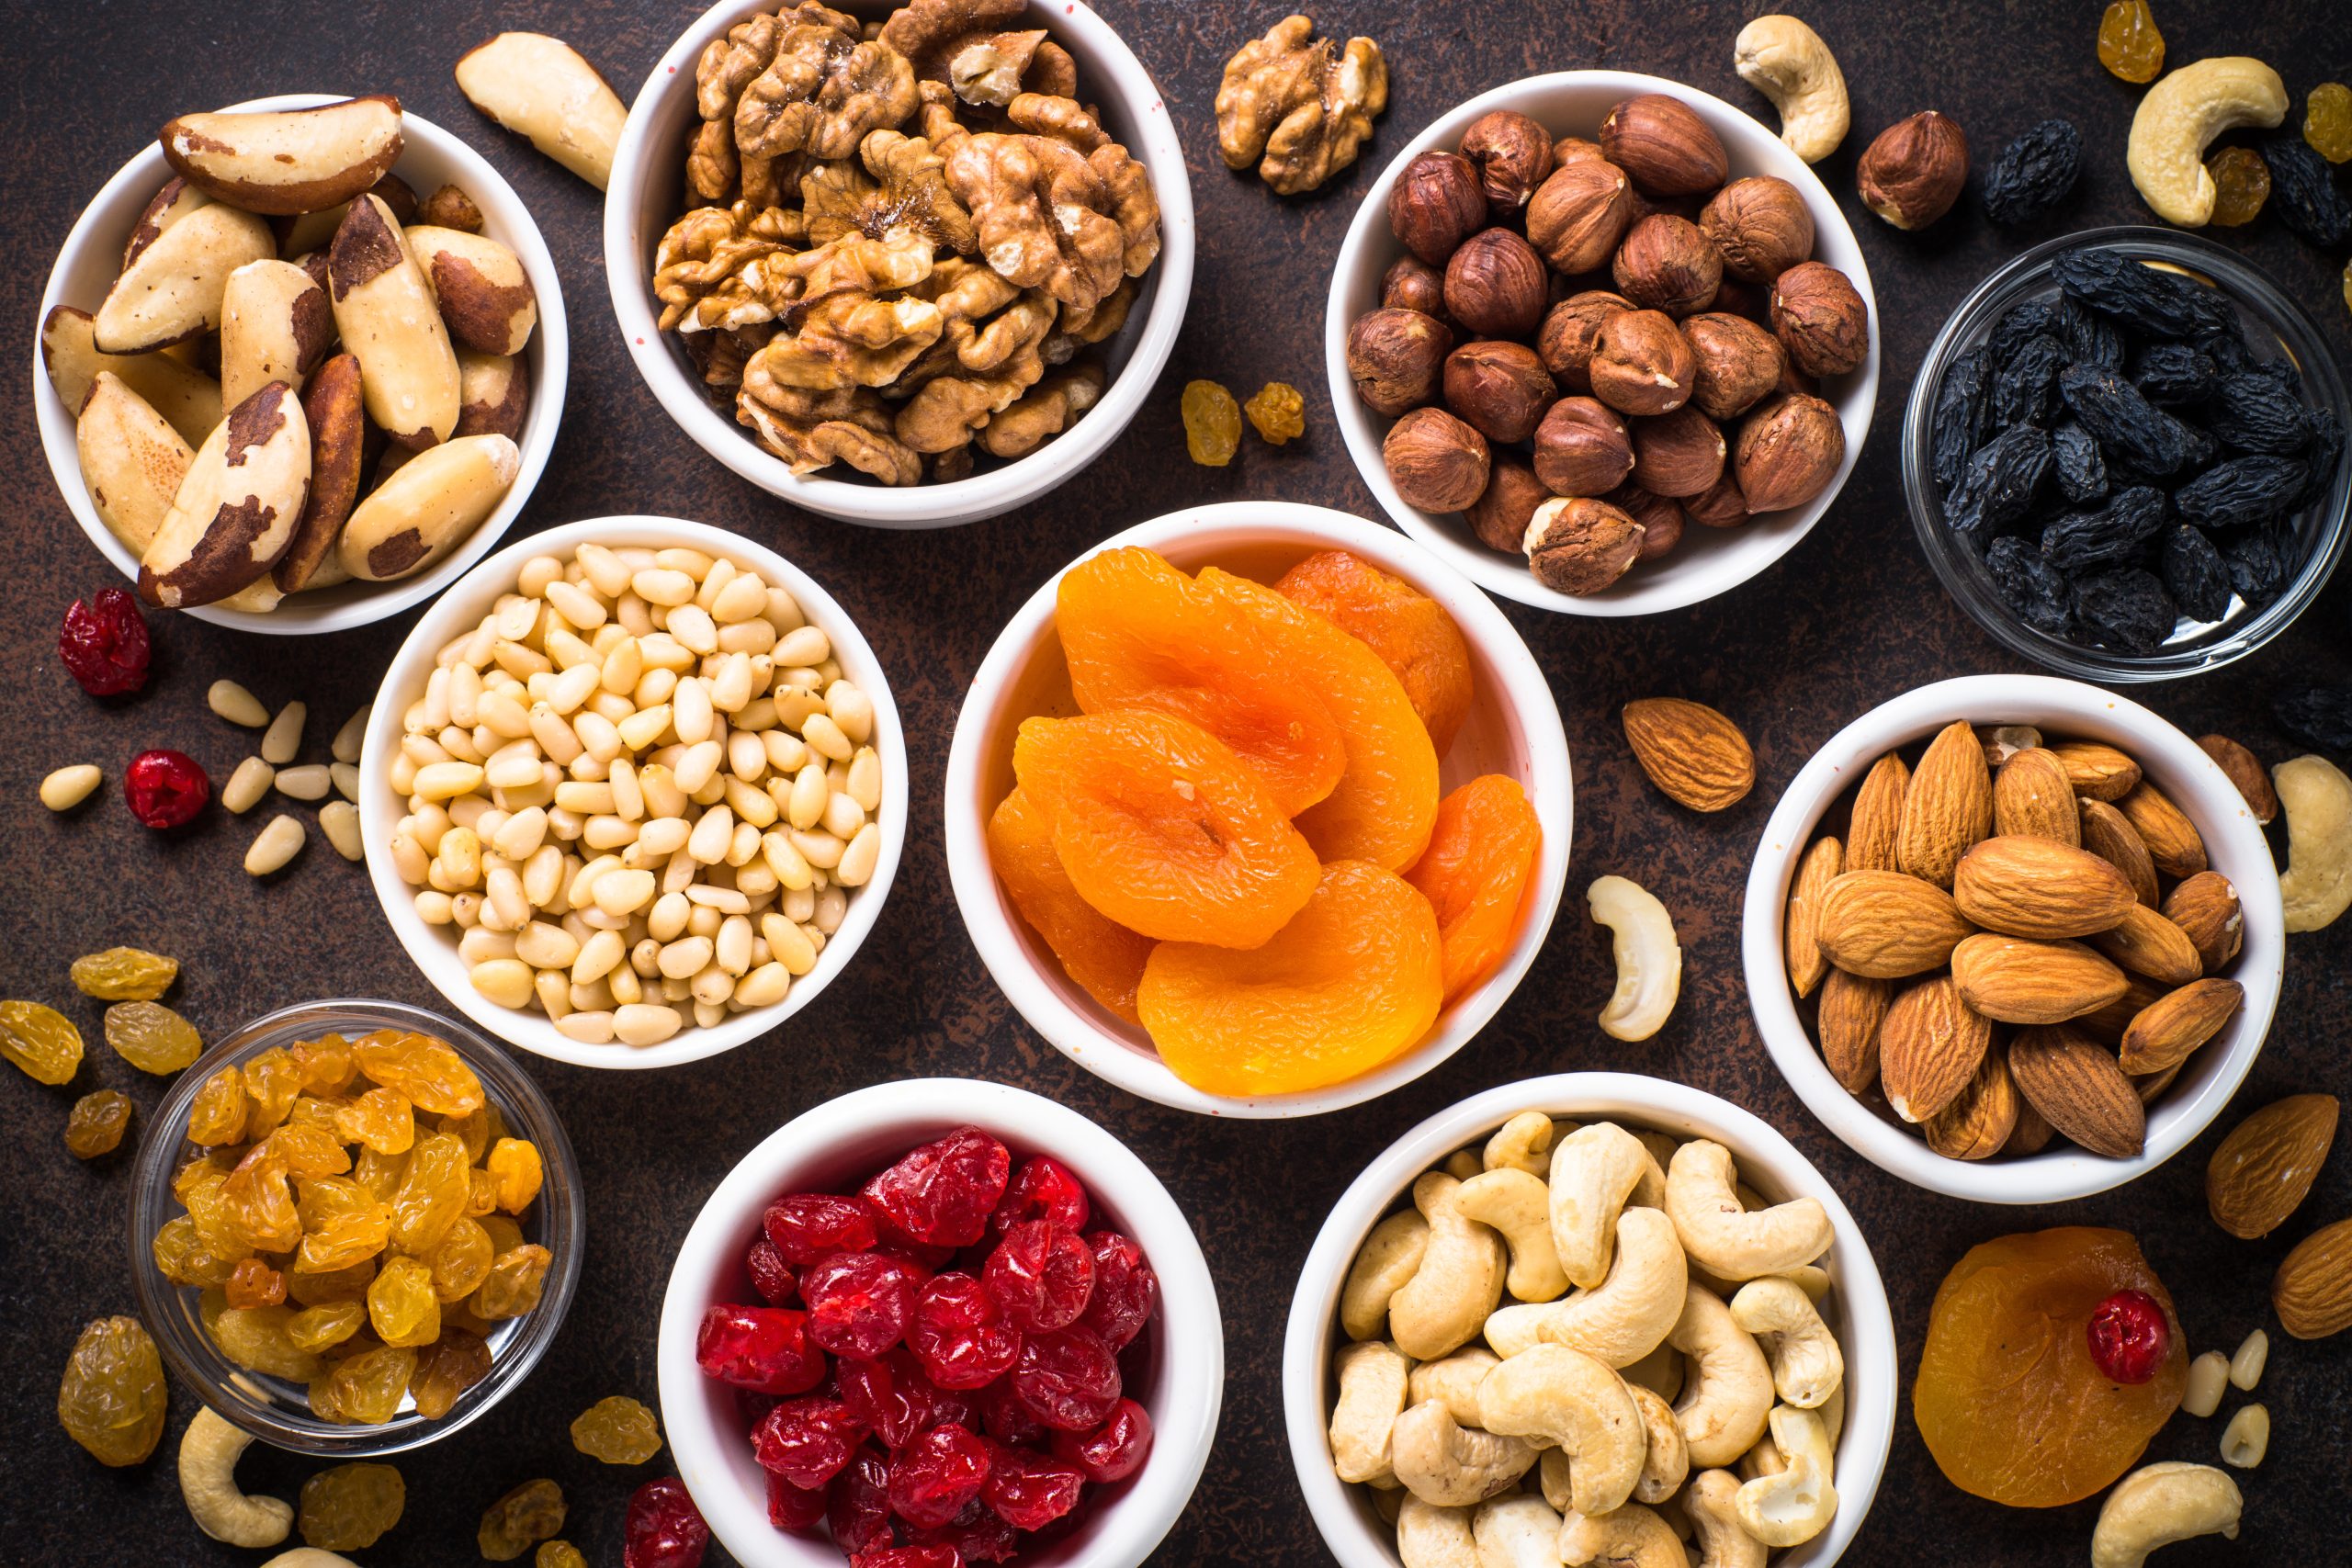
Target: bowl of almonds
2015 939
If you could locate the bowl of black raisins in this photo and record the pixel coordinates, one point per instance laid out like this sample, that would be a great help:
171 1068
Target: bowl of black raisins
2124 455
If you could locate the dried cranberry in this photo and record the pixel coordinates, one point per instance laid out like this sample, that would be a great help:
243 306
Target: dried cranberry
896 1401
933 1556
1069 1379
806 1224
771 1275
166 788
807 1441
1125 1289
960 1334
943 1192
760 1348
1008 1420
933 1477
1042 1273
983 1538
793 1507
1114 1450
860 1303
104 643
857 1505
662 1528
1030 1491
2130 1337
1043 1188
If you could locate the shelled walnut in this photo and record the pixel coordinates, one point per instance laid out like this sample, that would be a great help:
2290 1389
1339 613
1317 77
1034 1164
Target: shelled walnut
1298 108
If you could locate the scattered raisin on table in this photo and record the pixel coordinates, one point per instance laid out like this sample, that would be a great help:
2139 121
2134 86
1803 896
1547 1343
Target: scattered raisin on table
1278 411
2304 192
152 1037
166 789
2317 715
97 1124
113 1397
351 1505
617 1430
41 1041
2033 173
2241 184
1212 423
2129 44
103 643
124 975
520 1520
557 1554
2327 121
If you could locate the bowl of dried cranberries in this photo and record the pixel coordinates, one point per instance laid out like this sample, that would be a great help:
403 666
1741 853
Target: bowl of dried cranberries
941 1313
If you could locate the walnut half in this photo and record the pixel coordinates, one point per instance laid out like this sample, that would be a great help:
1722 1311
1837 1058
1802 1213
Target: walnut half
1297 107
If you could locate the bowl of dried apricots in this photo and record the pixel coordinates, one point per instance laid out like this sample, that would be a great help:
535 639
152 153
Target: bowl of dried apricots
1259 809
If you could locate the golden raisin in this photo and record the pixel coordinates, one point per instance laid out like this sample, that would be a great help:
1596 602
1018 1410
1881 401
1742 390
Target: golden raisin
41 1041
617 1430
448 1367
254 1283
343 1224
112 1399
152 1037
516 1522
272 1080
327 1064
346 1286
97 1124
182 1257
380 1119
2327 121
2129 44
330 1323
365 1389
217 1115
401 1306
472 1130
1278 411
125 974
351 1505
1212 423
462 1260
2241 184
557 1554
260 1339
512 1285
431 1193
432 1075
515 1162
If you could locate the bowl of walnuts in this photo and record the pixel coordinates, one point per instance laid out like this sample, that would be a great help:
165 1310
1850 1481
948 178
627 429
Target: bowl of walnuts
1602 342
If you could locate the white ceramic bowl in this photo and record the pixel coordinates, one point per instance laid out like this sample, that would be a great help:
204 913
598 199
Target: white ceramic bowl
834 1148
2233 842
430 158
435 948
647 195
1709 560
1855 1307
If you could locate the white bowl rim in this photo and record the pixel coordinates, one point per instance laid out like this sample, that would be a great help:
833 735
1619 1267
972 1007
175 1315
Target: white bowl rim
1869 1342
1645 590
1191 1328
147 171
957 501
1526 694
2059 1173
379 808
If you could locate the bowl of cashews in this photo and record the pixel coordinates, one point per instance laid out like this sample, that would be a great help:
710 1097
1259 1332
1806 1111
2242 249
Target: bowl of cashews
1595 1318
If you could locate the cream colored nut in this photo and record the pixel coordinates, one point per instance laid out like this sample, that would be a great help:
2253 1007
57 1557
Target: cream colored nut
1797 1504
1462 1164
1727 1240
308 1557
1452 1381
172 290
132 460
346 779
2209 1374
310 782
435 500
1726 1402
339 819
2253 1355
1807 1366
1453 1466
1516 1532
208 1463
1523 1142
1431 1537
1786 61
275 326
540 87
478 283
234 512
2157 1504
1630 1537
645 1023
1621 1319
68 786
1460 1280
505 981
1649 961
282 741
385 315
1712 1501
2180 115
274 846
1518 1206
587 1027
2316 799
860 857
1665 1458
352 737
286 162
1388 1257
1372 1379
1595 1171
2246 1438
1568 1400
189 400
1660 1372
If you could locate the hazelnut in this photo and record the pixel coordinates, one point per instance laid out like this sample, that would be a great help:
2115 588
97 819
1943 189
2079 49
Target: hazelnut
1513 154
1721 505
1435 205
1738 363
1761 226
1787 452
1396 359
1581 449
1912 173
1641 364
1820 320
1413 284
1438 463
1570 328
1499 390
1662 519
1568 149
1577 216
1579 545
1737 296
1664 144
1667 263
1496 285
1678 454
1499 514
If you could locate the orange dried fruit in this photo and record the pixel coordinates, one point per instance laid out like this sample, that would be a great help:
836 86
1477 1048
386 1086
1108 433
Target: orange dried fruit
1139 634
1164 829
2008 1398
1354 979
1386 802
1475 875
1411 632
1100 956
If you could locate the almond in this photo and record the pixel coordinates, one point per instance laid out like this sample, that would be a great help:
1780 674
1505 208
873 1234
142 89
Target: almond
1878 815
2106 835
2007 741
2312 1290
1887 925
2206 906
1948 808
2146 943
2245 771
2147 1086
1979 1121
1695 755
2264 1168
2096 771
1820 868
2031 796
2033 1130
2172 839
2018 981
2039 887
1929 1048
2079 1090
2169 1029
2106 1024
1853 1008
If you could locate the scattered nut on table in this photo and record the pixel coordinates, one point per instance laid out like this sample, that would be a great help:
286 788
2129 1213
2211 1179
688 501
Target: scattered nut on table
540 87
1300 107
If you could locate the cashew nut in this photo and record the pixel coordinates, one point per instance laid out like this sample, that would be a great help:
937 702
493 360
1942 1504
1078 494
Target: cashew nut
2180 115
1567 1397
1595 1171
2317 800
1372 1379
1807 1366
1786 61
1453 1381
1712 1502
1621 1319
1460 1280
2157 1504
1516 1532
1441 1462
1666 1459
1727 1239
1798 1503
1649 962
1389 1257
1762 1460
1810 1277
1463 1164
1630 1537
209 1452
1728 1399
1520 1206
1431 1537
1523 1142
308 1557
1660 1372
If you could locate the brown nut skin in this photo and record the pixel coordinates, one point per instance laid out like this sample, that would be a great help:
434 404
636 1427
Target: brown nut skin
335 408
1641 364
1496 285
1436 204
1411 284
1721 505
1678 454
1498 388
1582 448
1820 320
1738 362
1663 144
1500 514
1437 463
1580 546
1565 341
1660 518
1568 149
1788 451
1577 216
1761 226
1667 263
1513 155
1912 173
1396 357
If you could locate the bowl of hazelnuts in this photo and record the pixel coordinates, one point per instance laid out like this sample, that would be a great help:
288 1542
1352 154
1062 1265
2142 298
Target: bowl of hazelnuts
1602 342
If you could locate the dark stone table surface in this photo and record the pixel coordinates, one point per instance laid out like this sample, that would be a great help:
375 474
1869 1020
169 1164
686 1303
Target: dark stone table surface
1849 618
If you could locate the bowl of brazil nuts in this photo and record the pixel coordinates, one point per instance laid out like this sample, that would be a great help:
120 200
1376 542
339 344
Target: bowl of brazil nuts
633 792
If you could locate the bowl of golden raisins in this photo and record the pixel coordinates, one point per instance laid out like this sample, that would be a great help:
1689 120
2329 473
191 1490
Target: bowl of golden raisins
356 1226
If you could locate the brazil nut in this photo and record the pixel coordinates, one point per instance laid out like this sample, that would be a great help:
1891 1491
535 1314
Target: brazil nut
275 326
493 394
235 511
428 504
186 396
385 315
484 295
132 460
172 290
166 207
286 160
335 408
308 232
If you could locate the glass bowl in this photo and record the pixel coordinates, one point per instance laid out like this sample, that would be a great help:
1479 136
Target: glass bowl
2276 327
278 1410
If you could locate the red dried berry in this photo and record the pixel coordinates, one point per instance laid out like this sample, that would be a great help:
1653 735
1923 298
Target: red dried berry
860 1303
1030 1491
805 1225
662 1528
857 1506
1008 1420
806 1441
1042 1273
960 1334
104 643
166 788
943 1192
2130 1337
1114 1450
983 1538
933 1477
1043 1188
1068 1380
771 1275
910 1557
895 1400
1125 1289
793 1507
761 1347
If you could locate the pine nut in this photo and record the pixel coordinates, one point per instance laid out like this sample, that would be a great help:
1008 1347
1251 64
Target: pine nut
339 819
274 846
763 986
352 737
851 709
2246 1367
643 1023
586 1028
247 785
843 817
789 944
2246 1438
693 629
554 994
598 957
857 862
506 981
803 644
447 781
832 904
70 786
282 741
345 776
312 781
864 784
239 707
711 988
2208 1375
819 849
825 738
434 908
543 946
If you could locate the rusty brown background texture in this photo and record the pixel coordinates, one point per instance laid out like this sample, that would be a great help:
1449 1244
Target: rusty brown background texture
1848 618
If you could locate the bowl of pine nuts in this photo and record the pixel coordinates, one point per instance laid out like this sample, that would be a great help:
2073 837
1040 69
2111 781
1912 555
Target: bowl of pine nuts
633 792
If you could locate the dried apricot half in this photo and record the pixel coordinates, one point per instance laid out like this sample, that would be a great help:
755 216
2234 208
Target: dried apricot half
1164 829
1354 979
1475 875
1410 631
1101 956
1139 633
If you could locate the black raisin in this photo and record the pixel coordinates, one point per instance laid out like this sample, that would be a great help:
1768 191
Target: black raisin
2195 574
2091 339
2241 490
2087 541
2023 391
2031 586
2303 193
2316 715
2000 481
1959 422
2077 463
2161 304
2322 457
2256 412
2229 350
2257 569
2034 173
2020 324
2126 609
2174 374
2124 423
